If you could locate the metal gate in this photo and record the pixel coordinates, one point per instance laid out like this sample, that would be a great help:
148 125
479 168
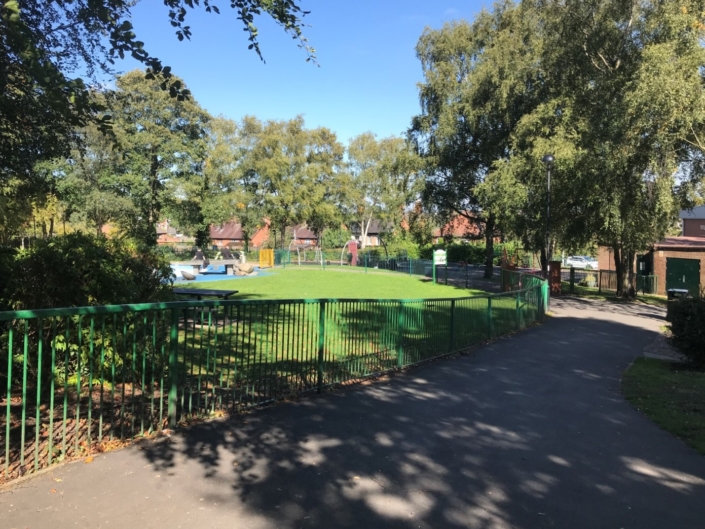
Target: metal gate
683 273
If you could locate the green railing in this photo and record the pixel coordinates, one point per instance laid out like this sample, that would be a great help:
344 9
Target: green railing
80 378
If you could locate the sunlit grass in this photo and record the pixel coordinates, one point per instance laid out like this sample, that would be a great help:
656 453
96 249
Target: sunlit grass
334 283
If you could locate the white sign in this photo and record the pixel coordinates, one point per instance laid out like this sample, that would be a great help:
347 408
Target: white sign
439 257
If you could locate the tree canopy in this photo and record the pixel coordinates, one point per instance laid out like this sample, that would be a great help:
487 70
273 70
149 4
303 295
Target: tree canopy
49 49
614 89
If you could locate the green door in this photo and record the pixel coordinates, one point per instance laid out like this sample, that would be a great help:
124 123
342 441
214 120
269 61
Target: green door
683 273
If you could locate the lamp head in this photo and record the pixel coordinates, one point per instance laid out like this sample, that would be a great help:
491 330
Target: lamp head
548 160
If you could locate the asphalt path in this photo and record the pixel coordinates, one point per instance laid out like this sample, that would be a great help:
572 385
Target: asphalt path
530 431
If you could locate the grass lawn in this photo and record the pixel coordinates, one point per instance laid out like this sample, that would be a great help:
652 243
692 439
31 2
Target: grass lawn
671 395
592 293
332 283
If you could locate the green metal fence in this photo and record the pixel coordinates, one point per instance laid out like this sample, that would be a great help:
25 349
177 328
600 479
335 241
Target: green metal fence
80 377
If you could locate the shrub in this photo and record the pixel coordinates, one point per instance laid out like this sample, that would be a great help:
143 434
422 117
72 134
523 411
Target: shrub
403 248
688 327
80 270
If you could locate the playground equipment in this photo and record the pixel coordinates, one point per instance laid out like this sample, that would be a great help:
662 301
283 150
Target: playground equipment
266 259
301 251
353 251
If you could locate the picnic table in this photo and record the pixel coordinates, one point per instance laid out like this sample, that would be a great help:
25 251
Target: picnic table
229 265
198 293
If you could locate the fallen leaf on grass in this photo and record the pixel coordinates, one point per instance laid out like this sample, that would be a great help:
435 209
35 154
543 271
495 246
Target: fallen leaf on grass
89 460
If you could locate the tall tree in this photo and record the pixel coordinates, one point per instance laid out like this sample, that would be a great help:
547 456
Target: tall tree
88 183
384 181
44 43
163 144
626 87
292 172
479 80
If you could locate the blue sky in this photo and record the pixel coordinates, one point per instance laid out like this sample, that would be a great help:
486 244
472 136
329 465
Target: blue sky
368 67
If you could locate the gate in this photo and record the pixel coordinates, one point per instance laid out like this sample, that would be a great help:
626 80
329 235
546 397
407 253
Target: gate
683 273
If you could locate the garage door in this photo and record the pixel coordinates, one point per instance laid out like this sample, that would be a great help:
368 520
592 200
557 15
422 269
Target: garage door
683 273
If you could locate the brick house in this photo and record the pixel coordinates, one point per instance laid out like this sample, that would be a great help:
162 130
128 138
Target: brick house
459 228
167 234
230 234
301 235
693 222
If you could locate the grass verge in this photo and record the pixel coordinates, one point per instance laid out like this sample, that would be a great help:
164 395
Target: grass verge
670 394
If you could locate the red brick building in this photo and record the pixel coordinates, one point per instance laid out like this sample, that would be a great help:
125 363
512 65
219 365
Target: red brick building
605 258
230 234
679 262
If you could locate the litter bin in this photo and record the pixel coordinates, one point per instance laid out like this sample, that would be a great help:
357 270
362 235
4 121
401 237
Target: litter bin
674 294
677 293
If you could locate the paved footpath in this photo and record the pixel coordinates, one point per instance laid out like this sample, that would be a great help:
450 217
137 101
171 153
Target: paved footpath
529 432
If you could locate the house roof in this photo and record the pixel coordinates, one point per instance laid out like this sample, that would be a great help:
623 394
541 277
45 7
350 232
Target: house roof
460 226
697 212
300 231
227 231
681 243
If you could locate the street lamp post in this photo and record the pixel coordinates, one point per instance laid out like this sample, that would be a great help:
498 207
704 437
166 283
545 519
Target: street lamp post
548 162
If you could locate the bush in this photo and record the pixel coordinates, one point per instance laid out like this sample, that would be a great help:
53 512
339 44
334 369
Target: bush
688 328
403 248
79 270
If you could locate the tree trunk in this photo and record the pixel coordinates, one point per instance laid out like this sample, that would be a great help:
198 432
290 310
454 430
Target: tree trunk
364 228
624 266
489 247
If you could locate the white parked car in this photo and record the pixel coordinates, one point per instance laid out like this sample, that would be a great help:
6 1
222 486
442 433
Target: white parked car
581 261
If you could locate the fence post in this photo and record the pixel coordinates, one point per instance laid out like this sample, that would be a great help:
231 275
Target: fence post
599 281
489 318
321 343
572 279
544 295
446 273
400 336
518 310
451 344
365 263
173 368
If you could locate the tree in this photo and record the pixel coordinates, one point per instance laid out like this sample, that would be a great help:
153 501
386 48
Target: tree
479 81
87 181
614 89
163 145
231 195
292 173
50 54
384 181
626 99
